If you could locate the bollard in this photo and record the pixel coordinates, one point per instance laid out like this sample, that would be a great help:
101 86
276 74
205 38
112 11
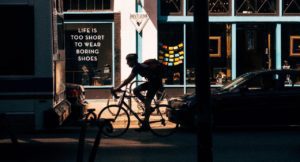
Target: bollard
81 141
100 123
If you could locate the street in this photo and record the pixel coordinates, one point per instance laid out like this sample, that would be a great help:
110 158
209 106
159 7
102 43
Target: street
229 145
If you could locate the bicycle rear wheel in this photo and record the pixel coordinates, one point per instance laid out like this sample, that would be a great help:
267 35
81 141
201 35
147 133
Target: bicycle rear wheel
120 121
159 122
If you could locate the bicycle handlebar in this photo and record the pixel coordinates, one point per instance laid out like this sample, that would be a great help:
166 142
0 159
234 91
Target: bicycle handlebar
114 93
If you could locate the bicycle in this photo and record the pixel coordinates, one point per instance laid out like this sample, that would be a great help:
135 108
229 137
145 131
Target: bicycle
158 98
120 118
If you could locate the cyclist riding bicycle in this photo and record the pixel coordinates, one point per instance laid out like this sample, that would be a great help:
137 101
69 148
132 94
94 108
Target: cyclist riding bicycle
154 83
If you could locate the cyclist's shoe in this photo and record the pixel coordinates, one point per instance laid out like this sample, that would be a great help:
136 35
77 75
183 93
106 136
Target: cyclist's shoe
143 128
151 110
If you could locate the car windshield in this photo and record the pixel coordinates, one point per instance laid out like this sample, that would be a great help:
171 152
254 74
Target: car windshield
239 80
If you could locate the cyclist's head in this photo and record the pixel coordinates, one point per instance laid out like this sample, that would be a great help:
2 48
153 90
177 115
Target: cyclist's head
131 59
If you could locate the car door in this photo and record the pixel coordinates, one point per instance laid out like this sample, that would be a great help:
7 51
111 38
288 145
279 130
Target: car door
251 102
289 94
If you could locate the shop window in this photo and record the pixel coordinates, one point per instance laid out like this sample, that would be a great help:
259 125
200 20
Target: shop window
220 53
17 34
89 53
256 7
178 57
81 5
291 7
171 7
190 57
171 52
291 45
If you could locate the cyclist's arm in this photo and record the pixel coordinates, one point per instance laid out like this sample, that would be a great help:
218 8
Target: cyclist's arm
126 81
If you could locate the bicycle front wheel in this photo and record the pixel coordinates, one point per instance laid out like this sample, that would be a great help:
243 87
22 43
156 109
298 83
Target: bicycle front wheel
159 122
119 120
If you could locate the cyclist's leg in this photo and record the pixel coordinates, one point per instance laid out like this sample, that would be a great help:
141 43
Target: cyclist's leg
159 92
153 87
137 91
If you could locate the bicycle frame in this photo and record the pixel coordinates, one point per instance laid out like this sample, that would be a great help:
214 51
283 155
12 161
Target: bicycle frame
122 103
124 107
156 100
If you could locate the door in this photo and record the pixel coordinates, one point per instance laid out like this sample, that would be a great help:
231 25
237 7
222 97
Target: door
255 47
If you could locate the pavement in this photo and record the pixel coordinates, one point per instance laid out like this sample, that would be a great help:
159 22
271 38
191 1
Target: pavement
229 145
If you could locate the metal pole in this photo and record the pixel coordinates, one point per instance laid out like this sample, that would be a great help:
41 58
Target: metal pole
80 150
201 52
100 124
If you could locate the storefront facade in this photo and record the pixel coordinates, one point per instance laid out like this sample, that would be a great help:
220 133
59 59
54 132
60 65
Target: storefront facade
245 35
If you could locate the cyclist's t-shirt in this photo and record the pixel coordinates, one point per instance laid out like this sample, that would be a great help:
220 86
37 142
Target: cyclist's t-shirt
144 71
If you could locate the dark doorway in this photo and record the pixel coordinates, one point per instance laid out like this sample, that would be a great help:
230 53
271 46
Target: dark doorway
255 47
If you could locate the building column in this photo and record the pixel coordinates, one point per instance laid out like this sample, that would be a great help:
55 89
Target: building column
139 36
233 50
278 47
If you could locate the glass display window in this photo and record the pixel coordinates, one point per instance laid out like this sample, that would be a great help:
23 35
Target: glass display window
171 52
291 44
220 54
89 53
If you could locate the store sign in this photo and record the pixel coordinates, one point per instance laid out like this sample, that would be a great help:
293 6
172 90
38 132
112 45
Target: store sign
139 20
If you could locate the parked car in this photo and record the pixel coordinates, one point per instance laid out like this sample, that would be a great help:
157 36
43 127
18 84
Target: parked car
270 97
76 96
